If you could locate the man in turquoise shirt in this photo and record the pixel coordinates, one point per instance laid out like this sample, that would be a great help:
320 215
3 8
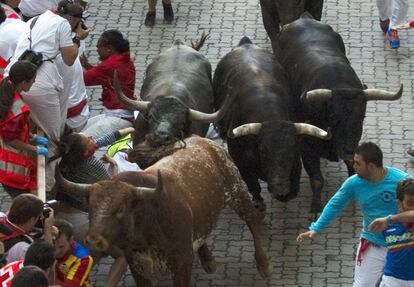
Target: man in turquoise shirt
373 187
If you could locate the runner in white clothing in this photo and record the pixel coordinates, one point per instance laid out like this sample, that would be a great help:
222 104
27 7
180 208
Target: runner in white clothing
51 35
74 89
32 8
10 30
392 13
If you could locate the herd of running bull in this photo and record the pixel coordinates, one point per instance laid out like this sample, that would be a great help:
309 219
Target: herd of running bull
302 101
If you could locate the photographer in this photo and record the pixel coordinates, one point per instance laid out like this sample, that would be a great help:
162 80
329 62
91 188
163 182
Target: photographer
49 36
25 212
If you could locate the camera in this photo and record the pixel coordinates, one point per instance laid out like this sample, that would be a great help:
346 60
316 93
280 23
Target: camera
53 204
35 58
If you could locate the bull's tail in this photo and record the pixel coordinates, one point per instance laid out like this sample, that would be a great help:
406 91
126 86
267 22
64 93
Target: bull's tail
245 40
199 43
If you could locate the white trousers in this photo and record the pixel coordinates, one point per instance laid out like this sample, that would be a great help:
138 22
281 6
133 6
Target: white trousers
48 109
388 281
395 10
102 124
369 272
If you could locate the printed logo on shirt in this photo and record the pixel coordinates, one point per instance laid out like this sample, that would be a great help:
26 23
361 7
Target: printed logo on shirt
387 196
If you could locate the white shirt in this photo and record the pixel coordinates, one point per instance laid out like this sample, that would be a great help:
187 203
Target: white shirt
74 88
50 33
31 8
11 31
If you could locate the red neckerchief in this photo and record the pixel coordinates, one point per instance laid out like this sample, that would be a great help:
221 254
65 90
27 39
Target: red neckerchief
364 247
91 151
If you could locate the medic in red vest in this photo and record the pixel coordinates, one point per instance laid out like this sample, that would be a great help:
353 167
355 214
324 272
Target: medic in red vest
17 168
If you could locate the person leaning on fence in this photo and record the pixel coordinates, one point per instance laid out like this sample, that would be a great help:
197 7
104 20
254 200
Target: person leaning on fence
50 34
17 168
373 187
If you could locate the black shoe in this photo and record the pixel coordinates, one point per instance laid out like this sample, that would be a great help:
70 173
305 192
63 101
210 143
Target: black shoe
168 12
150 19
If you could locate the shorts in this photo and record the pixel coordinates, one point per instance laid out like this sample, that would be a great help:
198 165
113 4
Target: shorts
389 281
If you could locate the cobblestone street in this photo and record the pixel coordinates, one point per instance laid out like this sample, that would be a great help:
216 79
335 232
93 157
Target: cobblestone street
329 259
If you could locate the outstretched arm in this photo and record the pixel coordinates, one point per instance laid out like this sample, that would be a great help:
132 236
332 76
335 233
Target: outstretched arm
334 207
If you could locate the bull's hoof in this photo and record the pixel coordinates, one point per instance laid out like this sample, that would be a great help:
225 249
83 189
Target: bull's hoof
209 266
265 269
150 19
259 205
285 197
315 211
168 12
207 260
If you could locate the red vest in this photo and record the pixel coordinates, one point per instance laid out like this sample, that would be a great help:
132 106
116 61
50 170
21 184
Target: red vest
17 169
7 272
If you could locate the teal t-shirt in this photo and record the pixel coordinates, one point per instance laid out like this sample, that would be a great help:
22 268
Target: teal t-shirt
375 199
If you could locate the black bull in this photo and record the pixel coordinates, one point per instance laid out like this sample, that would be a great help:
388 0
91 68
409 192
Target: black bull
277 13
270 149
327 93
177 97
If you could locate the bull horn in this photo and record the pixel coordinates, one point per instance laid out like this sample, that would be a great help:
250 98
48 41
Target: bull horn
148 192
141 106
318 95
382 95
310 130
214 117
81 189
247 129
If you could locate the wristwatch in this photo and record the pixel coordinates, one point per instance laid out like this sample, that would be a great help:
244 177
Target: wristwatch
388 218
76 40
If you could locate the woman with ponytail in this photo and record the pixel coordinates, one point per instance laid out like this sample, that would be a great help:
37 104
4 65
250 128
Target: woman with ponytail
17 169
113 51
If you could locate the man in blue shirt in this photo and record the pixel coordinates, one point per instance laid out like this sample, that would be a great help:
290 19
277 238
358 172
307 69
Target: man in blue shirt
373 187
398 231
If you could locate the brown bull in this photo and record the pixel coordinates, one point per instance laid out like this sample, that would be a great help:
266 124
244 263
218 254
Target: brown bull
160 216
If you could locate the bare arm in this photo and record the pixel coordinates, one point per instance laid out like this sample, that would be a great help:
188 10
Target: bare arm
381 223
126 131
69 54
